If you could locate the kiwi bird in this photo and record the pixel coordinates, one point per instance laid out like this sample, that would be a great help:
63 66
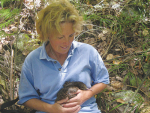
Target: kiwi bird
69 90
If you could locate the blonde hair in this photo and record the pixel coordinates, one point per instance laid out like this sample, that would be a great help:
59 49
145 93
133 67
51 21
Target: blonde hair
49 19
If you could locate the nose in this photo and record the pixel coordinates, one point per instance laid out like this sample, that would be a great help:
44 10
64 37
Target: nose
66 41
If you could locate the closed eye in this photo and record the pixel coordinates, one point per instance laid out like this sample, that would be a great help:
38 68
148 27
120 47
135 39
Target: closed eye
60 37
71 35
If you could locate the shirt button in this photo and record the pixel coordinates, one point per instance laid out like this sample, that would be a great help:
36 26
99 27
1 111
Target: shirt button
59 69
55 62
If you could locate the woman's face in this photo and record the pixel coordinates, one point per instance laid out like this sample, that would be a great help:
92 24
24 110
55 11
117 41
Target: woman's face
61 43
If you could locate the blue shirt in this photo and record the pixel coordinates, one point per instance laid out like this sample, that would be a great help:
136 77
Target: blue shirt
46 75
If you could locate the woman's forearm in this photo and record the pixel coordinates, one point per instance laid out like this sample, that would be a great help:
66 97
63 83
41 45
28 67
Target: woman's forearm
97 88
51 108
38 105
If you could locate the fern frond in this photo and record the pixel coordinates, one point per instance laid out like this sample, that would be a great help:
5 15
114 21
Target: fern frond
6 23
5 13
8 16
8 13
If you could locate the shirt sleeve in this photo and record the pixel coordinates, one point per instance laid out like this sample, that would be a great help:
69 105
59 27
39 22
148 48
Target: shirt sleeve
99 71
26 86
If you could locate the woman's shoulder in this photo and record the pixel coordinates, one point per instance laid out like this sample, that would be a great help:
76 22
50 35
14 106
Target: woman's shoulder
86 50
34 54
84 46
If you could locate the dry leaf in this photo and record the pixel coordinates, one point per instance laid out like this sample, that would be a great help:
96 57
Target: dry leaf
117 84
14 29
132 63
119 78
140 65
105 31
106 4
124 73
1 101
134 71
146 109
7 30
89 26
103 38
145 32
25 52
86 41
116 62
92 40
147 57
116 6
129 50
110 88
100 36
117 49
109 56
30 3
120 101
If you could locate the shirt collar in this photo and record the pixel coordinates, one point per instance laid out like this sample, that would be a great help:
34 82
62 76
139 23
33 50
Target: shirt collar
72 48
43 54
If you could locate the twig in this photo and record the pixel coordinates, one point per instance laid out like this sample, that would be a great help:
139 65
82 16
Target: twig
126 55
11 74
108 46
100 2
83 33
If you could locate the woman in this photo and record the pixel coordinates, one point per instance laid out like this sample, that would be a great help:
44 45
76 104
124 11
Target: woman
61 59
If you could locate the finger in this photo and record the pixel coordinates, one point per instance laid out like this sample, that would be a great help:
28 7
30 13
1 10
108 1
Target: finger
79 108
70 104
63 101
74 109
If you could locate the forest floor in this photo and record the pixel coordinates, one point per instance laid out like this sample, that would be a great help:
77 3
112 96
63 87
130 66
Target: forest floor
124 46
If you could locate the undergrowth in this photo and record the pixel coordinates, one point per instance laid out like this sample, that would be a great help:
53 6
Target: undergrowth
129 28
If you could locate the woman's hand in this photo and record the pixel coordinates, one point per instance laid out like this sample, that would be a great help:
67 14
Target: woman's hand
82 96
58 107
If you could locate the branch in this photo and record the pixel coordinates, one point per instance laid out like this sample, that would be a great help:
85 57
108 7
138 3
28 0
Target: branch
11 74
108 46
127 55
